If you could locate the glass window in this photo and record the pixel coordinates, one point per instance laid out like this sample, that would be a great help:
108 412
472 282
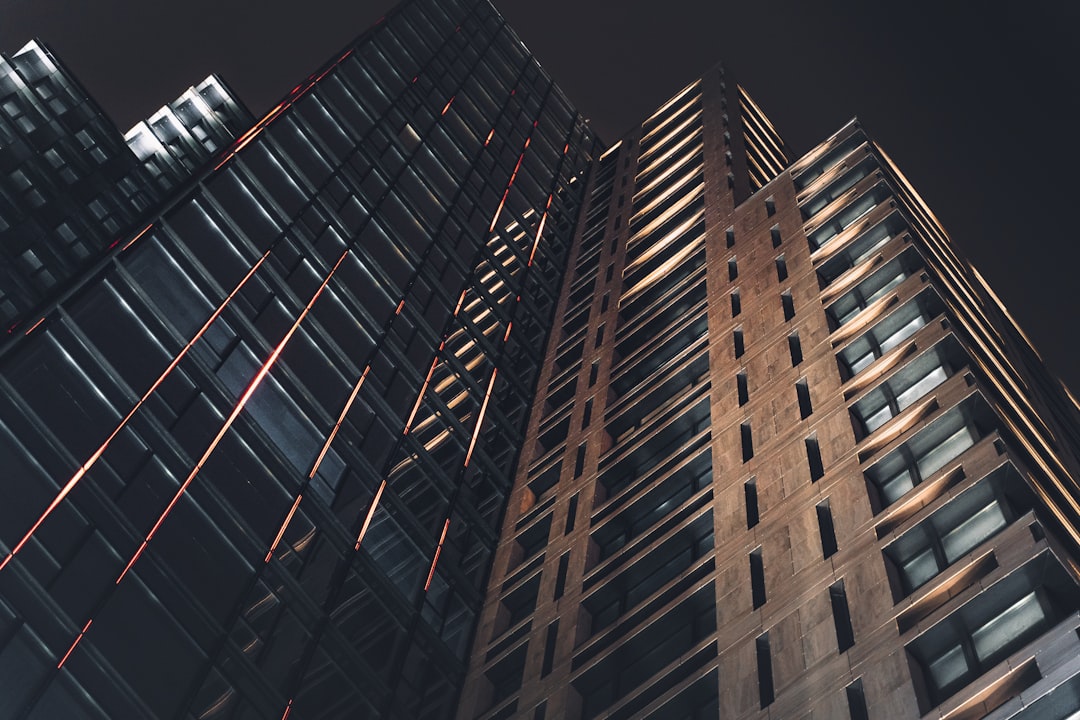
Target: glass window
894 329
956 528
906 387
848 216
934 447
872 288
838 188
999 621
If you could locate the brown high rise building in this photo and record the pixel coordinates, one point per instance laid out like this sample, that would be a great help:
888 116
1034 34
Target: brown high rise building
788 456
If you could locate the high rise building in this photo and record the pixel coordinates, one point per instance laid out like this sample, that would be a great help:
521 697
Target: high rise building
177 139
788 457
419 401
68 185
244 473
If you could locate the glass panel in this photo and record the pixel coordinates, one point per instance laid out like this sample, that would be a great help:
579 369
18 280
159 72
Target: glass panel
902 334
946 451
1008 627
949 667
973 531
930 381
921 568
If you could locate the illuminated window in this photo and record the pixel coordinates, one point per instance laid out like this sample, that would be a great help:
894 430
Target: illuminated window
955 529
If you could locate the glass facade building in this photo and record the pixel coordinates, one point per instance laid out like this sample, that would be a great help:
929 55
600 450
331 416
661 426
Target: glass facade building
416 400
68 185
255 459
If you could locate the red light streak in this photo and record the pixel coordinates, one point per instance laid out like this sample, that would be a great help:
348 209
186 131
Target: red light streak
438 551
281 532
498 210
252 387
480 417
288 709
510 184
297 92
566 148
448 104
540 230
74 480
400 305
370 514
508 326
137 237
459 302
420 397
490 135
341 419
72 648
34 326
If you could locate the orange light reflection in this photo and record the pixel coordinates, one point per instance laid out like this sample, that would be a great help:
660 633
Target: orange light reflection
252 387
71 483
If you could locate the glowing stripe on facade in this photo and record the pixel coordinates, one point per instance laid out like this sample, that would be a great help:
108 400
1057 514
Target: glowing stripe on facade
252 387
74 480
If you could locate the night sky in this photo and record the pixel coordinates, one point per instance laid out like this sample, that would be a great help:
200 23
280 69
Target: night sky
977 106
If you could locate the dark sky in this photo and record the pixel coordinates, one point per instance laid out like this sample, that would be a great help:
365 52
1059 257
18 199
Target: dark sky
977 106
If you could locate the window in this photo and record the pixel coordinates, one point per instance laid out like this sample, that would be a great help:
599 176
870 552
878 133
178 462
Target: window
994 624
872 288
813 459
848 216
750 492
955 529
747 441
894 329
774 233
905 388
781 269
788 304
560 578
834 190
757 578
742 388
549 648
764 670
740 347
934 447
571 515
736 303
845 636
860 249
802 391
856 700
828 160
579 463
732 269
826 529
795 348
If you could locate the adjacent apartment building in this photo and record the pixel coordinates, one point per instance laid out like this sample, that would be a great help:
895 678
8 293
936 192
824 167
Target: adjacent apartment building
417 400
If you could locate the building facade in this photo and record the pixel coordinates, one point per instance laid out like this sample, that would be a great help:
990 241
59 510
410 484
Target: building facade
418 401
788 455
71 184
255 459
